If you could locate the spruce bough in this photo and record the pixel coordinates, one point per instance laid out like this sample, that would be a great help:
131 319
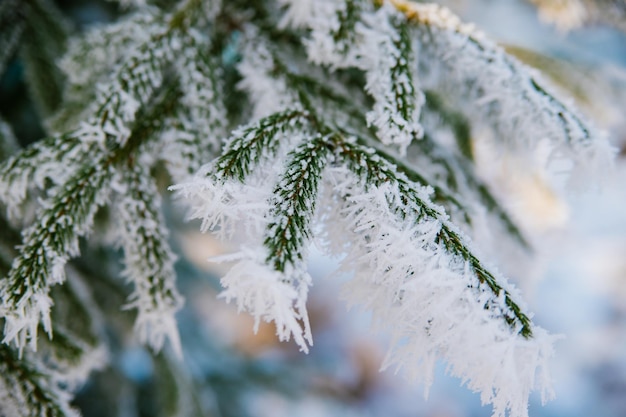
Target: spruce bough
282 124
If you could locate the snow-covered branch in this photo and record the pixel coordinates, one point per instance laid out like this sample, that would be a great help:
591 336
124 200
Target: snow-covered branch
357 124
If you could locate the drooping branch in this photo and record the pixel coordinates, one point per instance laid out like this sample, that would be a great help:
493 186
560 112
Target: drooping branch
375 170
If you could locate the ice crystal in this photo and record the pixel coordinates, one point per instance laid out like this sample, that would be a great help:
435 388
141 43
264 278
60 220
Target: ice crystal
271 296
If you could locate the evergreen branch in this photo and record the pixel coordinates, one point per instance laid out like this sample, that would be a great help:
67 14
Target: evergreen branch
225 189
41 385
414 269
31 167
73 353
392 81
67 360
405 94
66 215
348 17
383 49
376 171
440 195
515 317
330 42
274 292
293 205
90 61
27 389
248 145
148 260
504 93
133 85
307 85
40 162
140 76
47 245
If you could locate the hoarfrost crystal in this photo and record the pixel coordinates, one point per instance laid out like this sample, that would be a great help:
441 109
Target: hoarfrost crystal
270 296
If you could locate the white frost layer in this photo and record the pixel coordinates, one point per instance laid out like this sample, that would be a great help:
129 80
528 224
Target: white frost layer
228 207
373 48
430 302
494 89
44 255
148 261
271 296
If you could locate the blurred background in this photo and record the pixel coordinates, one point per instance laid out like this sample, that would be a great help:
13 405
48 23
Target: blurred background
576 285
